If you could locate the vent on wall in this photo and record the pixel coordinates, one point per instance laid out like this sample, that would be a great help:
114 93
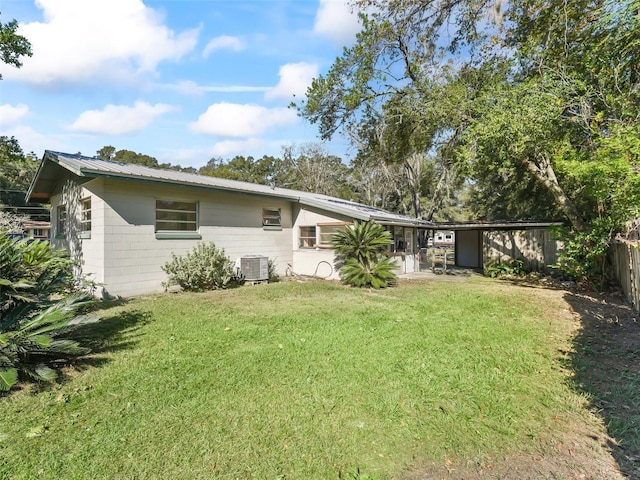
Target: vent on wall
254 267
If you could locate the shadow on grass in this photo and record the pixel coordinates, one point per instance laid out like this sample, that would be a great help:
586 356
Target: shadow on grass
606 362
111 333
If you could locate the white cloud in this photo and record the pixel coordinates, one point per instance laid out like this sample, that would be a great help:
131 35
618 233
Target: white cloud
119 119
335 20
224 42
241 120
294 80
11 115
112 40
32 141
230 148
189 87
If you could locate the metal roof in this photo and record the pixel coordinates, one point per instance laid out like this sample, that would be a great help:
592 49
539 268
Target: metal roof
495 225
48 172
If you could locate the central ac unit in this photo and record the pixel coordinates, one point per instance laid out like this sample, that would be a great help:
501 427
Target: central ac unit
254 267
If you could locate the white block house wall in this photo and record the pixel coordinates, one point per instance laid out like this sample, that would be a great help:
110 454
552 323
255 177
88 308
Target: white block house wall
123 252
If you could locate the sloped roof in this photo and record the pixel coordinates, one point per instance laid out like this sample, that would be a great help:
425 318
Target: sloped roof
48 172
489 225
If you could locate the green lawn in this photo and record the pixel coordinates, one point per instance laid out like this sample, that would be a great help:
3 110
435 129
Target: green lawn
298 381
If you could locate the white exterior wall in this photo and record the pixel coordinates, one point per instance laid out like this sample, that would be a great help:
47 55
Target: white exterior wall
134 256
319 261
313 261
87 252
123 253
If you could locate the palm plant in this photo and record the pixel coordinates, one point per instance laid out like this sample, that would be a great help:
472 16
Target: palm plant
361 255
37 310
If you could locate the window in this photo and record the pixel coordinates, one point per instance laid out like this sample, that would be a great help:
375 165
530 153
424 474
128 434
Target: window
307 237
327 230
398 239
61 227
85 218
174 216
271 219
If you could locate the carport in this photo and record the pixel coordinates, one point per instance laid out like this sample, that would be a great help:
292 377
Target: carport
478 243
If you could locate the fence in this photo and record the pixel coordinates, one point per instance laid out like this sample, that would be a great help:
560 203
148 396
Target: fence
626 268
537 248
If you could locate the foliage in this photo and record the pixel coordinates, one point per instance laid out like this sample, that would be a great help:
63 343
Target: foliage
534 106
12 45
306 167
263 170
205 267
273 274
609 182
16 169
310 168
108 152
11 223
361 255
37 310
514 268
377 273
16 172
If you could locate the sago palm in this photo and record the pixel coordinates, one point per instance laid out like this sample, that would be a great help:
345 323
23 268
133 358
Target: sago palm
37 310
361 255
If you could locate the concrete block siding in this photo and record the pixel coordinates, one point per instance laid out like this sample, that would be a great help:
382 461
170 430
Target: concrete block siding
124 254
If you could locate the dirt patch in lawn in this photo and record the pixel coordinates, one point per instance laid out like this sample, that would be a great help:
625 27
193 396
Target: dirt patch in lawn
604 364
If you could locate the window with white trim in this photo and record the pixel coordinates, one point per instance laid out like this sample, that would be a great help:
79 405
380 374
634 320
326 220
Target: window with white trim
85 216
326 232
174 216
61 224
271 218
307 238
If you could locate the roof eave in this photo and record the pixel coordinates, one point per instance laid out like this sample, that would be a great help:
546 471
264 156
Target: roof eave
334 208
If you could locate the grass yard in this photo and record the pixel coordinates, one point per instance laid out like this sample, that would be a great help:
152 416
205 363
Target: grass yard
303 381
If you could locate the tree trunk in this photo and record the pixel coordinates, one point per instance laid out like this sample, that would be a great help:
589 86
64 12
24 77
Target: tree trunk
435 198
545 174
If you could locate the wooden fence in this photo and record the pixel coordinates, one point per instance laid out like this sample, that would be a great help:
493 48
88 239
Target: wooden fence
626 268
537 248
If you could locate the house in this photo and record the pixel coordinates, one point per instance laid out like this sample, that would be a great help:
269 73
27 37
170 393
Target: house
38 230
122 222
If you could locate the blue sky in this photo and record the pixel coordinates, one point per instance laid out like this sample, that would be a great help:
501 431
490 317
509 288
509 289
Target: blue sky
180 80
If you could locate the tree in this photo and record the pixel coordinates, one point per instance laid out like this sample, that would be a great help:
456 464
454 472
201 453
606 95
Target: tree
110 153
12 223
106 153
530 97
310 168
16 169
16 173
129 156
265 171
12 45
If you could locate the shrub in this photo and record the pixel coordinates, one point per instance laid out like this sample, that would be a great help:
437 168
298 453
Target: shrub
361 255
205 267
273 274
37 310
515 268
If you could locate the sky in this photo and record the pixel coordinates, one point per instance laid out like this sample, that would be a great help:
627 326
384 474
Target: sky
181 80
